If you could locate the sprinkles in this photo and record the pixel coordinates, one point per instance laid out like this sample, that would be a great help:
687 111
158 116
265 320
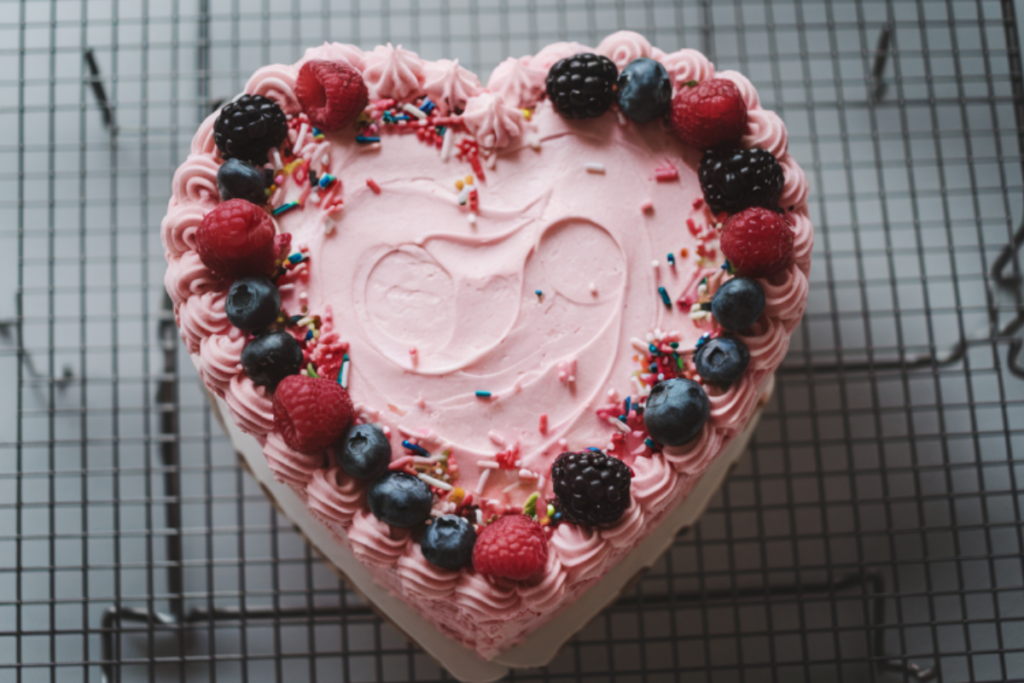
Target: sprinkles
371 183
285 208
664 297
483 394
595 167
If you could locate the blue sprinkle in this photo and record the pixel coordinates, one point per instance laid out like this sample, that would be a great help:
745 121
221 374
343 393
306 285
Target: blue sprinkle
538 292
674 345
654 350
727 267
427 106
483 394
296 319
649 443
703 340
326 180
628 404
653 367
309 334
284 208
622 418
664 297
598 450
440 130
295 258
365 140
671 258
316 131
416 448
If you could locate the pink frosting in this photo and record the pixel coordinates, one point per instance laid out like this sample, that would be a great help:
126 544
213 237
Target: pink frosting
196 180
654 481
687 65
449 85
393 72
335 498
335 52
494 122
276 82
422 579
580 550
220 356
178 229
794 191
547 57
766 130
202 141
622 47
747 89
418 275
250 406
375 543
518 82
288 465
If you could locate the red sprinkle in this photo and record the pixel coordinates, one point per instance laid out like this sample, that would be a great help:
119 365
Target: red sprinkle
666 173
698 202
692 227
372 184
544 423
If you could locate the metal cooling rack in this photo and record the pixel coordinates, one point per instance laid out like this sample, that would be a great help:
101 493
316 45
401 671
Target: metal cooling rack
873 534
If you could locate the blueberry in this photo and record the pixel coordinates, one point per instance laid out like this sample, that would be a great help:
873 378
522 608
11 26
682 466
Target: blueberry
645 90
363 452
676 411
237 179
738 304
400 499
722 360
271 357
253 303
448 542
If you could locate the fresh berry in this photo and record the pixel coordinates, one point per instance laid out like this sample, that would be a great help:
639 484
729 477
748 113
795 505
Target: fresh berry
253 303
400 500
709 114
737 179
237 238
738 304
448 542
249 126
364 452
757 242
332 94
511 547
676 411
591 487
311 413
237 179
582 86
645 90
271 357
722 360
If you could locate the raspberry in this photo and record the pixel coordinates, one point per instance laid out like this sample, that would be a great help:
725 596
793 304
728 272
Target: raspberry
248 127
332 94
710 114
757 242
582 86
512 547
238 238
592 487
311 413
736 179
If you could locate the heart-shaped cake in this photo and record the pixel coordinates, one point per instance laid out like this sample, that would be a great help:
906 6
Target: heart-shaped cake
490 346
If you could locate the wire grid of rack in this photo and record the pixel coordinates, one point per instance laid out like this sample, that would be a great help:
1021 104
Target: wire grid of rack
873 533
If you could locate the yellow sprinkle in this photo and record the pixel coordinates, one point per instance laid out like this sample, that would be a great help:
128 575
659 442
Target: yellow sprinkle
457 495
292 166
527 114
469 180
459 184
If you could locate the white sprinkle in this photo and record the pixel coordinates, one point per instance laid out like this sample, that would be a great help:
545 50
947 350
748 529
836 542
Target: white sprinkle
593 289
563 444
325 160
414 110
534 143
345 366
277 158
528 474
639 345
472 219
619 424
698 315
446 144
328 225
496 438
314 198
595 167
622 118
488 465
654 264
479 517
300 137
481 483
436 483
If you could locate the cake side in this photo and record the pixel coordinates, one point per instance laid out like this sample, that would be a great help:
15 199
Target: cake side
376 250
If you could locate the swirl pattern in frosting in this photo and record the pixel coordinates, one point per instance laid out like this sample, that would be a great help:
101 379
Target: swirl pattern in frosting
622 47
335 498
393 72
687 65
518 82
449 85
494 123
541 218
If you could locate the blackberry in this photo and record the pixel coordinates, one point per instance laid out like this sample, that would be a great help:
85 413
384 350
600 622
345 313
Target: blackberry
582 86
592 488
737 179
248 127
